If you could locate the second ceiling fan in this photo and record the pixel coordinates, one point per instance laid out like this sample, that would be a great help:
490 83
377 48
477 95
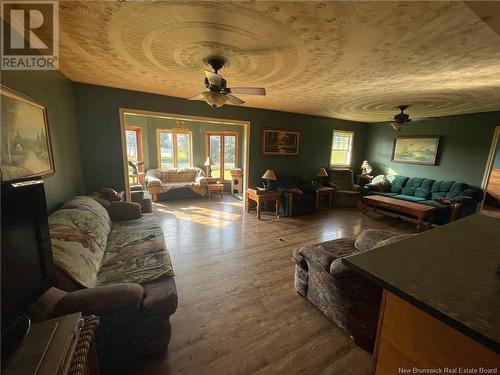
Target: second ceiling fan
218 93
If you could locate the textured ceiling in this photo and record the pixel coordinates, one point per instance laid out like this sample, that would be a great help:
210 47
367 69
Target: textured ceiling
349 60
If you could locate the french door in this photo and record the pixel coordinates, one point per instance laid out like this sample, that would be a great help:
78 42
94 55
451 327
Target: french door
222 148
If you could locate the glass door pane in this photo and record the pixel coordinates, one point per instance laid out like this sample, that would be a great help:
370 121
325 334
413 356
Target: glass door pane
229 155
214 146
166 151
183 150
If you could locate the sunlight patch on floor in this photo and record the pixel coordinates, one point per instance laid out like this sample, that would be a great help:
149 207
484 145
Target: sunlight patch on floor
204 216
212 213
234 204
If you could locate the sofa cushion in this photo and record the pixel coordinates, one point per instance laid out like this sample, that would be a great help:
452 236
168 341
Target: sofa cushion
392 240
89 204
136 253
398 183
422 192
371 237
408 190
409 198
458 187
78 243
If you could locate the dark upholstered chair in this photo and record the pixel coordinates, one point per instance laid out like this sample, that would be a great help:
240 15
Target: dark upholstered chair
346 192
297 195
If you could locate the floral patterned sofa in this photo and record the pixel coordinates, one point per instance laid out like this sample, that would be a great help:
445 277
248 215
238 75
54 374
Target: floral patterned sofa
350 300
118 270
190 181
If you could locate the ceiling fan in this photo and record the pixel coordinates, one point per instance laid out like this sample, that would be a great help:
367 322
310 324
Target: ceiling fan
218 93
401 118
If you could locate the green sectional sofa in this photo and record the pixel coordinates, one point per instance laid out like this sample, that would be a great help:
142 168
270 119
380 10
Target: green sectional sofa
428 191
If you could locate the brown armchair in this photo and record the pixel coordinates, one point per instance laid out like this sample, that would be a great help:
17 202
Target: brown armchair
346 192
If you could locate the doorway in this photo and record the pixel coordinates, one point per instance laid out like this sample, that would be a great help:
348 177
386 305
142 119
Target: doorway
153 140
491 180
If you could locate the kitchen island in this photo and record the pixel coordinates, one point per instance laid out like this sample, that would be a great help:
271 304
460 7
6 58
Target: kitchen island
441 301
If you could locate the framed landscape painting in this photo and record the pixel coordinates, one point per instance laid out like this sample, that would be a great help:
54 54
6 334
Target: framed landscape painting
278 142
415 150
25 141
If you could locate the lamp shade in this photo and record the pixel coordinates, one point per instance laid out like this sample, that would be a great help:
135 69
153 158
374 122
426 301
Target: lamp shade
208 162
269 175
321 172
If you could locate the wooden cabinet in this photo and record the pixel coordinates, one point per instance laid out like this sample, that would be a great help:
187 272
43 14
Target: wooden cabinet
409 337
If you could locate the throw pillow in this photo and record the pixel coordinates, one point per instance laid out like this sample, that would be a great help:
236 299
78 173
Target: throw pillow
121 211
109 194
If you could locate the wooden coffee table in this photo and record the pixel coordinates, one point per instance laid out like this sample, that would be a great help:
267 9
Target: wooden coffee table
421 211
268 196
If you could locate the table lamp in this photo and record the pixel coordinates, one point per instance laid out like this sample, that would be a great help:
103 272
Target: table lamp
208 164
268 176
366 168
320 173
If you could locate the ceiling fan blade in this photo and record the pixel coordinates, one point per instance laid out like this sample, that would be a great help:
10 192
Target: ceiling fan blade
214 79
248 90
234 100
197 97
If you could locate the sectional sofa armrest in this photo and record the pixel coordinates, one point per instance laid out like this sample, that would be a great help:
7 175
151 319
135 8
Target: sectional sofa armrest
307 189
201 180
474 193
316 256
101 300
122 211
153 181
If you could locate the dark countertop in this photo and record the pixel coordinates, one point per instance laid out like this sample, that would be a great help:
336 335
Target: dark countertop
449 272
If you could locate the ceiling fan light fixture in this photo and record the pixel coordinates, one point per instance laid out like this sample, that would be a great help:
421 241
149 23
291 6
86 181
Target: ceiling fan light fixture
215 99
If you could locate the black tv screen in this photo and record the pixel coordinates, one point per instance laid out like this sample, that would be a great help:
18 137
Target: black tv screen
26 254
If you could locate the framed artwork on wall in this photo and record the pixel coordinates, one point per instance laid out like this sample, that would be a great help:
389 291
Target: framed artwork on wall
25 141
421 150
279 142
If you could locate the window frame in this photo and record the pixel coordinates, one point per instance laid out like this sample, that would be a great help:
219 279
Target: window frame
349 149
174 144
138 139
222 134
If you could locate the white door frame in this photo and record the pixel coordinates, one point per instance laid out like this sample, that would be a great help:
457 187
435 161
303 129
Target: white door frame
489 162
175 116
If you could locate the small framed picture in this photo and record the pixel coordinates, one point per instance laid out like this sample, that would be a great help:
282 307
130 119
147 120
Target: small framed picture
415 150
279 142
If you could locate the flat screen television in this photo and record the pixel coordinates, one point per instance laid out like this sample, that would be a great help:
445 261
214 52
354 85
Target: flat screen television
26 254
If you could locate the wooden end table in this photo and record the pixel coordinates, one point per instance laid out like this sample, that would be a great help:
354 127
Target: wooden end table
215 188
324 191
421 211
268 196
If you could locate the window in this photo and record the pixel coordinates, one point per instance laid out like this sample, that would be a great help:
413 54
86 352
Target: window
341 148
222 148
174 149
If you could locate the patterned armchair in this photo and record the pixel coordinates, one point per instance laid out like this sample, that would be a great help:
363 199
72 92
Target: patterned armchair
348 299
346 192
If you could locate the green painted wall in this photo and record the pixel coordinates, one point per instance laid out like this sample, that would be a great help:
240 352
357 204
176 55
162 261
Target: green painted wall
99 133
149 126
464 146
55 91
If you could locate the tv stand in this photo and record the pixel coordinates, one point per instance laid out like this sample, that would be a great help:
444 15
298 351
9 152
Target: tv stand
13 337
48 347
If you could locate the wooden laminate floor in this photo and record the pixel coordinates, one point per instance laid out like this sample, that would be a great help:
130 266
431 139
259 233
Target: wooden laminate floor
238 310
